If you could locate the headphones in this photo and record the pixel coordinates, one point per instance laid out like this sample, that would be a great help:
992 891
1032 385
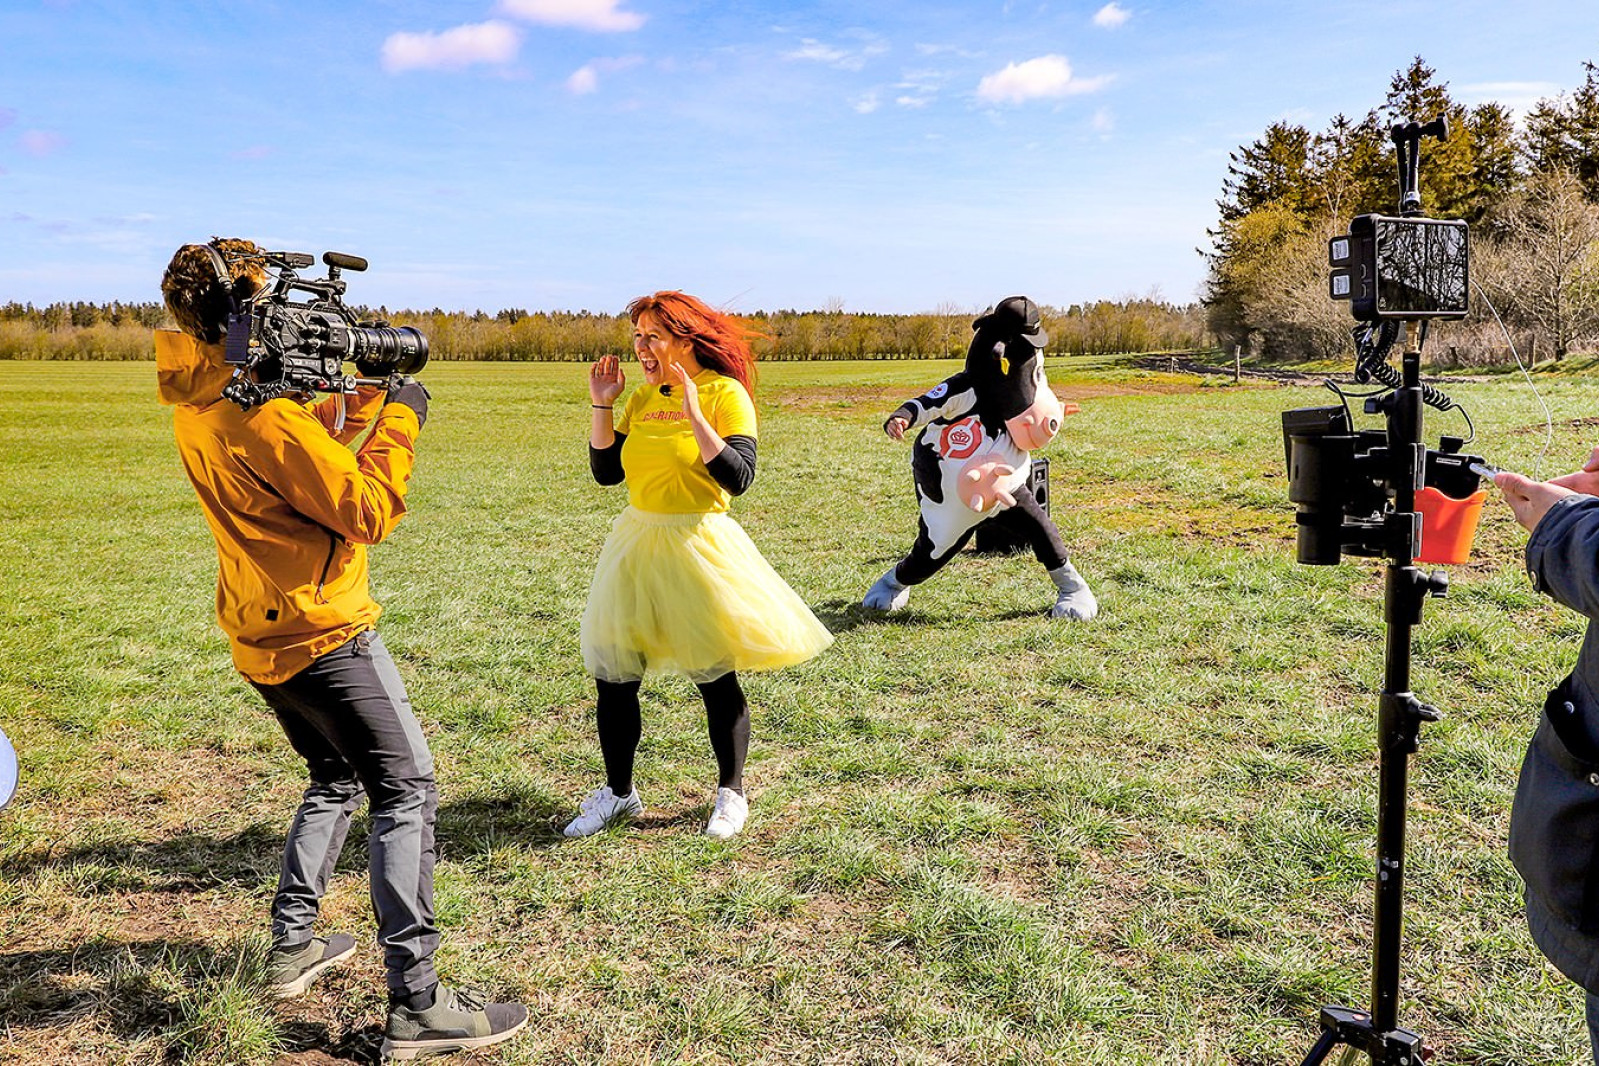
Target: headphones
224 279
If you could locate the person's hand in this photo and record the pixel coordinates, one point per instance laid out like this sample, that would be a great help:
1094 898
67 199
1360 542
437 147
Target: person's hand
896 426
606 380
691 392
411 393
1586 480
1529 499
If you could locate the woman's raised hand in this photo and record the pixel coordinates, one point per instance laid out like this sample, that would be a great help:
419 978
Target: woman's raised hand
691 391
606 380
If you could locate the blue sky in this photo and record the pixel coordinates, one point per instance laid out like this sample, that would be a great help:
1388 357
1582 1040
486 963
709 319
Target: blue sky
879 156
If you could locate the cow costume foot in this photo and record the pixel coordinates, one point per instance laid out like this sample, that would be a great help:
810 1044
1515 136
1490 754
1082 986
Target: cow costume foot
1076 600
887 594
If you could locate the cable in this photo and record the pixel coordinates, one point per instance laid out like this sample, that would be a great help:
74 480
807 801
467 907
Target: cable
1548 418
1371 363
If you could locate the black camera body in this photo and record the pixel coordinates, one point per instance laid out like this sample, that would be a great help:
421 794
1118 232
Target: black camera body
283 346
1342 483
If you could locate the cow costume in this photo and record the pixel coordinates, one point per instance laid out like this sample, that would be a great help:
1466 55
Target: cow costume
971 458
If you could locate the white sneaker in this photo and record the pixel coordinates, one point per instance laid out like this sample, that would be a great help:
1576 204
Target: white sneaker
728 817
602 808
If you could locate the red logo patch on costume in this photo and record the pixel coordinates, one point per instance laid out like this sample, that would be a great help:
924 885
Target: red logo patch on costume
960 440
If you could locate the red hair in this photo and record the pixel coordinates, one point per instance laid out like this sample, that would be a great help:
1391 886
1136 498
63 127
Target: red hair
721 342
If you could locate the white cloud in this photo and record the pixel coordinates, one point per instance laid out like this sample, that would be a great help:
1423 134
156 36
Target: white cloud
912 101
601 16
478 42
1103 121
586 79
1111 15
1518 97
41 142
815 51
1046 76
868 103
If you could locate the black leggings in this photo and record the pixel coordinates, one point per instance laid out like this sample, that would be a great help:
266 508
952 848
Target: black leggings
727 718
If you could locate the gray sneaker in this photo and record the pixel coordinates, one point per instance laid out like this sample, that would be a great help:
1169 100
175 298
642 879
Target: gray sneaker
290 973
459 1020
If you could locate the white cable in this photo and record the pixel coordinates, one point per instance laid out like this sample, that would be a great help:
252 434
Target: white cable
1548 419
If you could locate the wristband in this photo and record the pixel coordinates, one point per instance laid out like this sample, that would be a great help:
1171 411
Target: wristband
600 406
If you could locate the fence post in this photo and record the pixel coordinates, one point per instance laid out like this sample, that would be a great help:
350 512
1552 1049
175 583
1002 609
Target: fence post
1238 363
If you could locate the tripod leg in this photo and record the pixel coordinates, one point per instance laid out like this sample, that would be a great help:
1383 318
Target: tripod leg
1324 1046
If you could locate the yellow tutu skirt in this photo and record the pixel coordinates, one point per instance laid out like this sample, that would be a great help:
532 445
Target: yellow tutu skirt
691 593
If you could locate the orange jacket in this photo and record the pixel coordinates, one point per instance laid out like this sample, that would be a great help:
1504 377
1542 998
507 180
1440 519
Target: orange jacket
292 508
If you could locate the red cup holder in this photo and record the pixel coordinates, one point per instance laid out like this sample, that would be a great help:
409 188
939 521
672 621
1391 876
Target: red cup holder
1448 525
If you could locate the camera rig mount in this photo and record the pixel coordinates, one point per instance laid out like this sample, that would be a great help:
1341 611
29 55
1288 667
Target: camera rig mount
282 346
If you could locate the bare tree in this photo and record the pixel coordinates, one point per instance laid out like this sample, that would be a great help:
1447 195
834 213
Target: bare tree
1547 266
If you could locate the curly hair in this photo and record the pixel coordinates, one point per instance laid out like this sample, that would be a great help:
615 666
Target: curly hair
197 297
720 341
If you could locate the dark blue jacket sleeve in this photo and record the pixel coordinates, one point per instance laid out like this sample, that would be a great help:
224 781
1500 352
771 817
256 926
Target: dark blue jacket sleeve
1563 554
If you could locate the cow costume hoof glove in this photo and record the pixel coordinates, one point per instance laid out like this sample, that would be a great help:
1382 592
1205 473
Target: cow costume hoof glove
1076 600
887 595
602 808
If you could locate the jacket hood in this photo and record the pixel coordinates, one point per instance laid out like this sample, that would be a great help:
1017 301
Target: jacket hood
189 371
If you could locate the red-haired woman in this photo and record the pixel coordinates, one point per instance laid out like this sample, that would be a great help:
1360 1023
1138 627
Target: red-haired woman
679 585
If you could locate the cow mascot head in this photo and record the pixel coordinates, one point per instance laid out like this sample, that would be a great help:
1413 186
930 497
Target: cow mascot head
970 458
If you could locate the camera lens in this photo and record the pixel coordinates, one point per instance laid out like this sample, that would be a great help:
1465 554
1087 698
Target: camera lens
1317 473
387 349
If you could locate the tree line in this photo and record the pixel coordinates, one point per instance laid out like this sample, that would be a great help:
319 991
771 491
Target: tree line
1134 324
1531 196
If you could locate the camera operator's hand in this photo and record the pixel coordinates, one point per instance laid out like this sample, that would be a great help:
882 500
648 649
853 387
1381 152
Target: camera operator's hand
1529 499
606 380
411 393
895 427
1586 480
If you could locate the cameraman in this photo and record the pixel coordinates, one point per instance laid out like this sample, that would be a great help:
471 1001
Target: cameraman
1554 821
293 510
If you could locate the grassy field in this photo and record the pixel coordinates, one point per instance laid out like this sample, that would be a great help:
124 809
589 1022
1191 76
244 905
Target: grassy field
977 834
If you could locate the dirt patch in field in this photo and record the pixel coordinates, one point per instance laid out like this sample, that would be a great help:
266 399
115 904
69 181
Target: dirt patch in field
854 399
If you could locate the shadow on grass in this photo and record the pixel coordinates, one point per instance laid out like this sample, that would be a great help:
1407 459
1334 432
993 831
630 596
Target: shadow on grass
180 999
161 996
842 616
197 862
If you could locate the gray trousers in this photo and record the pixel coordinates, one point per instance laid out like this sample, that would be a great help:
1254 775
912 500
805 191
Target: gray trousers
348 717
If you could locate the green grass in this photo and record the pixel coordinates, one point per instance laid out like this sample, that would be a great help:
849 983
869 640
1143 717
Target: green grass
977 835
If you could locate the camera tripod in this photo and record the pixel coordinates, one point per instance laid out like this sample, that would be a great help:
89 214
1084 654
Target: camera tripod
1399 718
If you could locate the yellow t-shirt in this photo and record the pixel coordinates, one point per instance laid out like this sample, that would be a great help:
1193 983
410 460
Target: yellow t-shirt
660 456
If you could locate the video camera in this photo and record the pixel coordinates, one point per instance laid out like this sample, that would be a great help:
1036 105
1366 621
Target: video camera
1398 272
281 346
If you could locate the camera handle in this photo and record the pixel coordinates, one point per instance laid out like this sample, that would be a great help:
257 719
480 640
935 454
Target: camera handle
1407 146
1399 719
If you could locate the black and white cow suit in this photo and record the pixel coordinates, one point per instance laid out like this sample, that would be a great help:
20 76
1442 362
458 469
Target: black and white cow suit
971 459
